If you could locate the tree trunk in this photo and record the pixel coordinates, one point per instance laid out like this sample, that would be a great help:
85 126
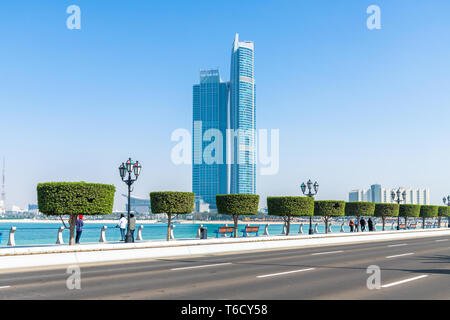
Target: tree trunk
288 225
326 225
235 219
357 223
384 222
423 222
439 222
406 224
72 224
169 221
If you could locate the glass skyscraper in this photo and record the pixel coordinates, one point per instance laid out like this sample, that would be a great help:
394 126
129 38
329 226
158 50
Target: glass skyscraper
210 106
225 105
243 118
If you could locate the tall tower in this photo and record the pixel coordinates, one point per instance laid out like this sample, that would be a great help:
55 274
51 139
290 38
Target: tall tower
209 169
243 118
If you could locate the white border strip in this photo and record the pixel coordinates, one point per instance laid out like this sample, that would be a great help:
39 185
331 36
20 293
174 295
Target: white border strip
329 252
400 255
403 281
204 266
282 273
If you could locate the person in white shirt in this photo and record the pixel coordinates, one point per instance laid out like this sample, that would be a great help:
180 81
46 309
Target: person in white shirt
122 225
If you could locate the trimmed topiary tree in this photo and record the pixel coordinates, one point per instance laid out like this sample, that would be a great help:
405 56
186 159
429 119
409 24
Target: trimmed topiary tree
287 207
329 208
383 210
359 209
237 205
73 199
428 212
409 210
443 212
171 202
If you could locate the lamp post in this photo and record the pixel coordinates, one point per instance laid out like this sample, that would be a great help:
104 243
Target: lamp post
398 197
129 166
310 187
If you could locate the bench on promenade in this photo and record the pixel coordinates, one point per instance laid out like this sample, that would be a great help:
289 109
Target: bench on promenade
429 225
402 227
249 229
412 225
223 231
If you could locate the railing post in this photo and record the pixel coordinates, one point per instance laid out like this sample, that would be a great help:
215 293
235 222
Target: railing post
284 229
103 234
266 230
342 227
139 233
300 229
172 237
245 229
329 228
199 231
392 227
59 238
12 240
316 228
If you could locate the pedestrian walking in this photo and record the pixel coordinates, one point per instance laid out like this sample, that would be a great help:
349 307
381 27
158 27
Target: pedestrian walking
370 224
132 226
122 225
363 224
79 228
351 225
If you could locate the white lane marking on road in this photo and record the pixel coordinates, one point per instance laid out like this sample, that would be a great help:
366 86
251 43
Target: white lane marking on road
282 273
329 252
398 245
441 240
400 255
403 281
5 287
204 266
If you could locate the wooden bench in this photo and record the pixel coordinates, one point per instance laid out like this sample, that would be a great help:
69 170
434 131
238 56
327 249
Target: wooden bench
402 227
249 229
223 231
412 225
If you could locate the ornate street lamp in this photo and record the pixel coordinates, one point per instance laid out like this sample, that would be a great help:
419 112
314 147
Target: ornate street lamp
446 200
398 197
129 167
310 187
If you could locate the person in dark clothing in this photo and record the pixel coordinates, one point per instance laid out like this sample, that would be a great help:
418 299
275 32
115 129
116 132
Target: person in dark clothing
79 226
132 226
362 222
370 224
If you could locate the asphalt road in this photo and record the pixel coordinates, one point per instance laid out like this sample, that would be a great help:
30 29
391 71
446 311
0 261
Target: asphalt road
410 269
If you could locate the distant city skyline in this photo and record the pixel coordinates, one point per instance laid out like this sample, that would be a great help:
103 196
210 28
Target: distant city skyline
353 105
376 193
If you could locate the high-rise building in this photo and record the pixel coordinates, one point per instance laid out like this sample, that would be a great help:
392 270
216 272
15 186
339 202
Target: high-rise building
378 194
243 118
210 105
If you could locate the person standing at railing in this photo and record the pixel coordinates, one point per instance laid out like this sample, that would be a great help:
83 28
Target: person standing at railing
122 225
351 224
132 225
79 226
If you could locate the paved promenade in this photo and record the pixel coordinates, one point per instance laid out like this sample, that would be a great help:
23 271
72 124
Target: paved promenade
54 255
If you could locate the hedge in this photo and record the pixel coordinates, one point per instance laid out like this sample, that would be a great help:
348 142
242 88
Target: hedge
429 211
329 208
409 210
75 198
444 211
171 202
287 207
359 209
384 210
237 205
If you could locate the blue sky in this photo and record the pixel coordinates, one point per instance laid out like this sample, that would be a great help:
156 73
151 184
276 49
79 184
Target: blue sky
353 106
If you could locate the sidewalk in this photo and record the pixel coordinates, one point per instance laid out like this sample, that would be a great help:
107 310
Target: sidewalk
53 255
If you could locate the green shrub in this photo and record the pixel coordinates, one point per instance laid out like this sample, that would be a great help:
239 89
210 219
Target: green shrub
329 208
384 210
73 199
237 205
428 212
287 207
409 210
443 211
359 209
171 202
